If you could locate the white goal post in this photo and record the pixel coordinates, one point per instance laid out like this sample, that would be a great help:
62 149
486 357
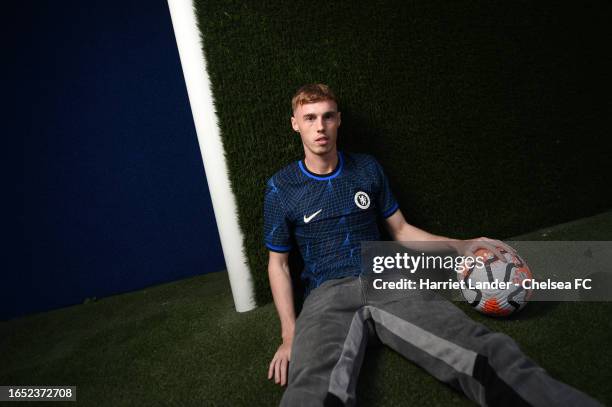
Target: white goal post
193 63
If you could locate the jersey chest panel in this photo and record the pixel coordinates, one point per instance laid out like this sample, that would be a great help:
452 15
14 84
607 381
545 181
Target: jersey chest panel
328 209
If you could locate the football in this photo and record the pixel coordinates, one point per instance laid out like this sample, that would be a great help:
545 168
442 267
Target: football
493 287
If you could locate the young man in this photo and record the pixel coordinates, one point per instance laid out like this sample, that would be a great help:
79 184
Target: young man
329 202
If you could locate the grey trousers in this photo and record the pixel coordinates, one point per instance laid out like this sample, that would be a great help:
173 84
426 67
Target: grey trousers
331 335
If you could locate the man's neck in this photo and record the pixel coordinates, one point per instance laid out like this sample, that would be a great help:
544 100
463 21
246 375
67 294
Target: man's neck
321 164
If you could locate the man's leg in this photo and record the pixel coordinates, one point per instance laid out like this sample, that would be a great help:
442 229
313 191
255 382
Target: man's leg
488 366
325 324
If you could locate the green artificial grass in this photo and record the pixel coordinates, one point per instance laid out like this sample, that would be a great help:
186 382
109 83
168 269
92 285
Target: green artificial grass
490 118
182 343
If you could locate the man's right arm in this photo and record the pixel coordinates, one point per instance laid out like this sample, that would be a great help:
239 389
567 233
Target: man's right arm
282 292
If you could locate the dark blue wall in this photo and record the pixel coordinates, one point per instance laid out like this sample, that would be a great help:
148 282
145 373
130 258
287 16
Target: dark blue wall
114 191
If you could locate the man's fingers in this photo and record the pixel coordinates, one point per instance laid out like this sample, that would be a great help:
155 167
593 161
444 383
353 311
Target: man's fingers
277 372
506 246
483 244
509 248
283 371
498 254
271 369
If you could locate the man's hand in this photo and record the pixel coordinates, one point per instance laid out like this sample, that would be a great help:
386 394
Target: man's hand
470 246
280 363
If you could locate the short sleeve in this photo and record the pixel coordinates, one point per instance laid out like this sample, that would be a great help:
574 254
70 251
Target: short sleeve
276 224
385 201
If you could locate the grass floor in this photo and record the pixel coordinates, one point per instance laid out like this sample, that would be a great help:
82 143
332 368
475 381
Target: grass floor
182 343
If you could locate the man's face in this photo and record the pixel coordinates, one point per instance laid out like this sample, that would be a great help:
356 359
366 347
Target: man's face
318 125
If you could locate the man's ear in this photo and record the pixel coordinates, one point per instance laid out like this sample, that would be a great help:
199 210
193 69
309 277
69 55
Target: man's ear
294 124
339 118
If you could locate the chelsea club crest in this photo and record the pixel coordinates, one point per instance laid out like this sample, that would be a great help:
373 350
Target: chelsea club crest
362 200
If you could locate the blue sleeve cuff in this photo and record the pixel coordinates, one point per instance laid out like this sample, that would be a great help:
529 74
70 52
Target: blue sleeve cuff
278 249
391 210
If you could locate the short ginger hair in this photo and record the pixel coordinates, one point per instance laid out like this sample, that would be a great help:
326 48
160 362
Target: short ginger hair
311 93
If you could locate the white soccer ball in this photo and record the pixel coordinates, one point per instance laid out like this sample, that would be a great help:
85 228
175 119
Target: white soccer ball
484 296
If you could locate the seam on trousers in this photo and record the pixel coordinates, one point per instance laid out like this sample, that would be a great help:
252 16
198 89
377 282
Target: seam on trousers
343 378
459 358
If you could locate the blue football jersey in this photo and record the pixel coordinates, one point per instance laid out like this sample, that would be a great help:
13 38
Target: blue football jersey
329 215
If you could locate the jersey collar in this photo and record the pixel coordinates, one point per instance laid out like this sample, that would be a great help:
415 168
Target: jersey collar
323 177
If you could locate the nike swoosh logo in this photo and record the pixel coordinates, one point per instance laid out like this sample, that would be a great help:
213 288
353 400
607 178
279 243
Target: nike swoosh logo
309 218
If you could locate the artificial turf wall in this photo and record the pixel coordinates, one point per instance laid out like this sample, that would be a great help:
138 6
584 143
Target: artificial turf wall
490 118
